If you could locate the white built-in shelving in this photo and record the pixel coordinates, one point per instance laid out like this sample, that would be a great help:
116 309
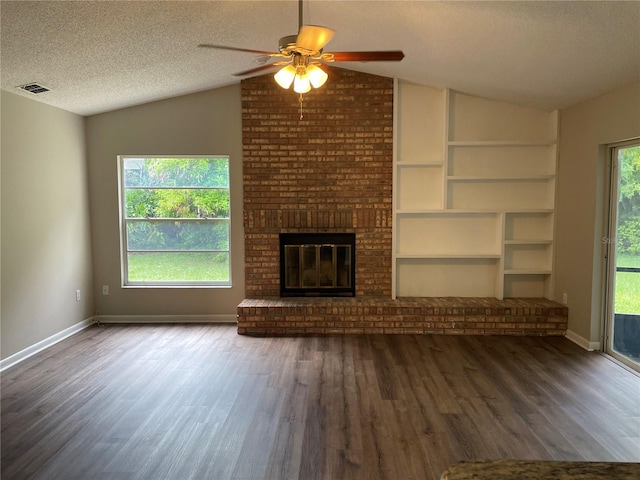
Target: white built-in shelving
474 196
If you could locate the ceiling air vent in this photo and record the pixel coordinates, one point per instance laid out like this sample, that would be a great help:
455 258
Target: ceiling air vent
34 88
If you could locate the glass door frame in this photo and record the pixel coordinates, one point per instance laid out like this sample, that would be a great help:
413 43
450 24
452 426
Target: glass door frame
610 251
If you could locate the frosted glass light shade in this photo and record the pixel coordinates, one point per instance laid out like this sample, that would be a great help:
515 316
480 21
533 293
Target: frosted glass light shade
317 76
284 77
301 84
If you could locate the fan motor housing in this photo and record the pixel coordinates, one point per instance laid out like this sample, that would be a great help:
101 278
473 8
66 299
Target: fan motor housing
287 44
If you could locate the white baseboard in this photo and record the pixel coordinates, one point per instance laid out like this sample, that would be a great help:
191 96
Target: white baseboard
43 344
583 342
67 332
166 318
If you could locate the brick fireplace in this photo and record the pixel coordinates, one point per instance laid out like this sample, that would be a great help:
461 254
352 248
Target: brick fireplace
331 172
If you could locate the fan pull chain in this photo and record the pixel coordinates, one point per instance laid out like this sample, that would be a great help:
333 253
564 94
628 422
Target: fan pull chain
301 113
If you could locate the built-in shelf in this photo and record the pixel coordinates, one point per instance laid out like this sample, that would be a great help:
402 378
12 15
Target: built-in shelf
528 242
428 255
469 178
474 196
421 123
480 121
461 211
418 164
525 271
500 143
500 194
447 277
420 186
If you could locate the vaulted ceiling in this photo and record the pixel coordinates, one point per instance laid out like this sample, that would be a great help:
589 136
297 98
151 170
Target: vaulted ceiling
97 56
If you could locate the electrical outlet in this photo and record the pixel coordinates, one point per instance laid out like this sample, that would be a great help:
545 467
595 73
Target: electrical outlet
77 295
105 289
564 298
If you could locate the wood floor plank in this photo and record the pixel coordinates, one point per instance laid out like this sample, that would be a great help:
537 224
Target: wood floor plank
194 402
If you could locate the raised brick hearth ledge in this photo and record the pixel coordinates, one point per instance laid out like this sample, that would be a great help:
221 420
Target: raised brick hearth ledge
374 315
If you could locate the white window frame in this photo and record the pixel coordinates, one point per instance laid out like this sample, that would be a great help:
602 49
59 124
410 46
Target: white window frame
124 266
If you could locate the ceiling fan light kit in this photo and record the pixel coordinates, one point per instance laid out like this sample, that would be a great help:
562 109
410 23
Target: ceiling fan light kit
317 76
303 54
285 76
301 84
301 74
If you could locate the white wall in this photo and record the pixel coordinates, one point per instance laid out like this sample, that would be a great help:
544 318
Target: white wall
585 129
46 248
206 123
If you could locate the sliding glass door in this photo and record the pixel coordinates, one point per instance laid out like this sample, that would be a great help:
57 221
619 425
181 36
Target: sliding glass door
623 289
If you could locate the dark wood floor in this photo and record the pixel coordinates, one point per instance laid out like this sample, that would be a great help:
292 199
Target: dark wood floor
200 402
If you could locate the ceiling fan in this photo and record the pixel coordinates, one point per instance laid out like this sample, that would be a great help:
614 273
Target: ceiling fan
303 54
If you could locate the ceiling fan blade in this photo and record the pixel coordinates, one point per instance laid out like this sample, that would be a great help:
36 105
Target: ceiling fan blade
380 56
255 70
236 49
313 37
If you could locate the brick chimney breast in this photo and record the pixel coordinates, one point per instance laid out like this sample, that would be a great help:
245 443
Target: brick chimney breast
330 172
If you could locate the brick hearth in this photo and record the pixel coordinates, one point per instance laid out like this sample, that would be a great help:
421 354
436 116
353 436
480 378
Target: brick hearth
471 316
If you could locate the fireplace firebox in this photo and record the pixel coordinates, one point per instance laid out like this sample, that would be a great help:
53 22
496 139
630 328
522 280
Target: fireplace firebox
317 264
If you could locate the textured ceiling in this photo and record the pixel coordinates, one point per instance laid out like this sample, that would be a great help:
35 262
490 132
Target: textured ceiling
98 56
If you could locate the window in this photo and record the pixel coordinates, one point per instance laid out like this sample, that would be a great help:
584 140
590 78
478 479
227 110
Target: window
174 224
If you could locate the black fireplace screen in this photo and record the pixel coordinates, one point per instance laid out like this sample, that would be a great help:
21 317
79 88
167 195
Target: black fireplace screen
318 264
